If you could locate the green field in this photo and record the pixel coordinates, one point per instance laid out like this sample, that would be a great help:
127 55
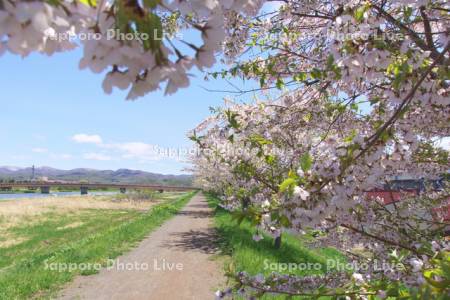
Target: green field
71 236
242 253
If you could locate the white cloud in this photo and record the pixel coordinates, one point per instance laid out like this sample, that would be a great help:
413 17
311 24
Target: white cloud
443 143
39 150
134 150
140 151
97 156
83 138
137 150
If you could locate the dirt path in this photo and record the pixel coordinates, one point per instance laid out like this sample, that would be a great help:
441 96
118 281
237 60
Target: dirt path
174 262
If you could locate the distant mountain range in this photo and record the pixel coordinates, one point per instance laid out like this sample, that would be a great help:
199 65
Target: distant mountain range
95 176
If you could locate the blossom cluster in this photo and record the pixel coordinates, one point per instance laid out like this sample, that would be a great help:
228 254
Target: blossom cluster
135 65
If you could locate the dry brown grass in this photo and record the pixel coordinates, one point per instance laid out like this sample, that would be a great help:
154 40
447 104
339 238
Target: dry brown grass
17 211
8 240
37 206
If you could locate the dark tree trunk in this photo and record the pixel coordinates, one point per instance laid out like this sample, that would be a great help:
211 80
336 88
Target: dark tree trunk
277 243
245 203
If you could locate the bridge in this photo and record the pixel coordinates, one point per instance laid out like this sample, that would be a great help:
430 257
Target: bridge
45 187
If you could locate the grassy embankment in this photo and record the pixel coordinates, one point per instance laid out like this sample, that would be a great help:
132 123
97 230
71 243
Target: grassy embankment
242 253
71 235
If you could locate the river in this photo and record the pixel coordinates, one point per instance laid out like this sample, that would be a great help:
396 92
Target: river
55 194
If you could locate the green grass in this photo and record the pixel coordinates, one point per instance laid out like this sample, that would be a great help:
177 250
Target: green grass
140 195
19 191
245 254
103 235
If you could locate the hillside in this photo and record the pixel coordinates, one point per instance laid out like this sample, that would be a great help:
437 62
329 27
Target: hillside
97 176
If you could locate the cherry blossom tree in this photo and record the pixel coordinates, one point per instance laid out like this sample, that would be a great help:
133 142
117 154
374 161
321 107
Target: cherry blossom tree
365 97
294 162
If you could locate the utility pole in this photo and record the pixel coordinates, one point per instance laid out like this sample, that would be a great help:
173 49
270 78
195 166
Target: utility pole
32 172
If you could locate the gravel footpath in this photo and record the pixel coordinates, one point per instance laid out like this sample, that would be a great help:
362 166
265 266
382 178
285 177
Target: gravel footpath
174 262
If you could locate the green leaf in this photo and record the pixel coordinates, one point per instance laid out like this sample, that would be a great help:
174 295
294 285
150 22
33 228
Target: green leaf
270 159
231 116
284 221
350 138
385 136
307 117
300 77
445 266
92 3
262 81
330 61
359 14
151 3
280 83
316 73
51 2
306 162
407 13
259 140
286 184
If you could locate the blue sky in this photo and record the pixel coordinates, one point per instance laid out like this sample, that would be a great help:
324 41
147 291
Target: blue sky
54 114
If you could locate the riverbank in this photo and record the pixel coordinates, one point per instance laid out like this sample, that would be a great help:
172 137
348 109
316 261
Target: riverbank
37 234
